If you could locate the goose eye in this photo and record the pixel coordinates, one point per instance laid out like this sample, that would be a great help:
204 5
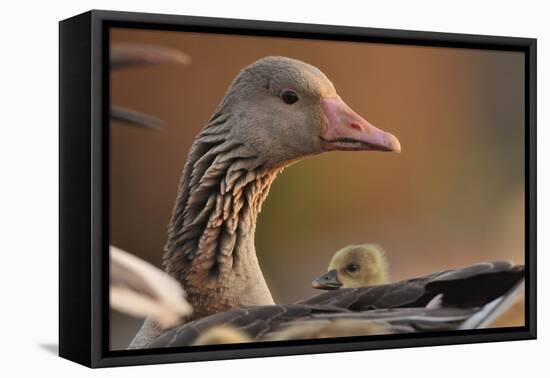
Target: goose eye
289 96
352 268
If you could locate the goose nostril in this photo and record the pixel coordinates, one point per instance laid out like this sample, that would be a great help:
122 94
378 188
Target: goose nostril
355 126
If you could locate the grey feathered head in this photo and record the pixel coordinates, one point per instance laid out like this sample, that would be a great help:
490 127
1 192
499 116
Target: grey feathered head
285 109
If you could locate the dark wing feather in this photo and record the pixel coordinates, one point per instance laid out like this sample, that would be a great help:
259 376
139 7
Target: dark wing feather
482 283
413 319
253 320
258 323
409 293
401 306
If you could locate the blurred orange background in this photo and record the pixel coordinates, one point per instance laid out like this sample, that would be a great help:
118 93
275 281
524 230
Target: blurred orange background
454 196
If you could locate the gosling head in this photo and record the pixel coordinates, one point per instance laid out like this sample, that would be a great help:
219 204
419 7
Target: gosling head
355 266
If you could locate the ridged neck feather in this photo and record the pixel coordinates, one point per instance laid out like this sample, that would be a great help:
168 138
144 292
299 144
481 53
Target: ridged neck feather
210 248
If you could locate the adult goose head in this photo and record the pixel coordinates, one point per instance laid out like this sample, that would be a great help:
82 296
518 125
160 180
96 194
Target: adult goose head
277 111
355 266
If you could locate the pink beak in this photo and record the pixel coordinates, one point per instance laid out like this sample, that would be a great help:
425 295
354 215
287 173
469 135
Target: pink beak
347 131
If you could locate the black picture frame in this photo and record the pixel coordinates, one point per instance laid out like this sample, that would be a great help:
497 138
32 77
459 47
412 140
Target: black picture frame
84 193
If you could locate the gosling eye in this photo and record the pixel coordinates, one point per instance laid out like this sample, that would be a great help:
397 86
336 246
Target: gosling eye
289 96
352 267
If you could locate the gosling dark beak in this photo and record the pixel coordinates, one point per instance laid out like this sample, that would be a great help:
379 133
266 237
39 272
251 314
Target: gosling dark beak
127 55
328 281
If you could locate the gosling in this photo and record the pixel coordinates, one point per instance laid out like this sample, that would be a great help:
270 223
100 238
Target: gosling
355 266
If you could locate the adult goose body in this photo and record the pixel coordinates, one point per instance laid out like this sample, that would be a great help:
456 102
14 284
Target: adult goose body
276 111
465 298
